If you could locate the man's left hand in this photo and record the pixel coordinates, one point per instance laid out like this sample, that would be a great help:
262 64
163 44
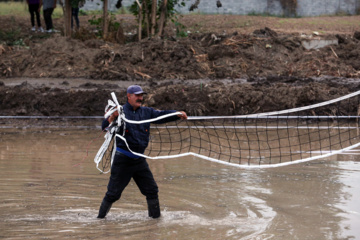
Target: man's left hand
182 115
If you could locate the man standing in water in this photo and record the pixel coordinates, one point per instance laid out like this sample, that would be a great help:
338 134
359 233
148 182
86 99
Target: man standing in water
127 165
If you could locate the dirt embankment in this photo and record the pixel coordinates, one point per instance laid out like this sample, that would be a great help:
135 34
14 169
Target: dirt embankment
259 71
198 98
260 54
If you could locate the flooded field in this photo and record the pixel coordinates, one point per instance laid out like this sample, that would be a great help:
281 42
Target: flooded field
50 189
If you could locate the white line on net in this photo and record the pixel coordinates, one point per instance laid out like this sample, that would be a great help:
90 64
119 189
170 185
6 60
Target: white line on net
248 127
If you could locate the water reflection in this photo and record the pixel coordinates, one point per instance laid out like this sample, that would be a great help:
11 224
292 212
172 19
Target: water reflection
349 198
50 188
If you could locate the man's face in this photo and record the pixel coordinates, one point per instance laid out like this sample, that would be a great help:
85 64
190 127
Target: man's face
135 100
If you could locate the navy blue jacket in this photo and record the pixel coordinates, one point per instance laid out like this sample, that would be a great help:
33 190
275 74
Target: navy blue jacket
137 135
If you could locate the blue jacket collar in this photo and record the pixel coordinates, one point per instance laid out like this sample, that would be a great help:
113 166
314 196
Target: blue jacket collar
129 107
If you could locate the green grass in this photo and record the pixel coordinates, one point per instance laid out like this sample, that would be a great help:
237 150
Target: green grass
21 9
13 8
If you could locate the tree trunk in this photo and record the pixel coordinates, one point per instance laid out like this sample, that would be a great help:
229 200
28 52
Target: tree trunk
120 36
67 22
140 20
105 19
147 17
162 20
153 16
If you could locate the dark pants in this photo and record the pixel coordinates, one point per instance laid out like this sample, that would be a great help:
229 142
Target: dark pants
75 15
48 19
125 168
34 10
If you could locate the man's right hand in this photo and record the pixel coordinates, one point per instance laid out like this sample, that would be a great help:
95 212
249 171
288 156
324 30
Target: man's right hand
113 116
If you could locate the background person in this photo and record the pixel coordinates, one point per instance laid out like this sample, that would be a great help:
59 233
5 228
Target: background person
75 8
127 165
48 9
35 11
75 15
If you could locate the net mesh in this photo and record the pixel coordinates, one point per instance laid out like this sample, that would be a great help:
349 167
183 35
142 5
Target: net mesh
108 155
254 141
266 139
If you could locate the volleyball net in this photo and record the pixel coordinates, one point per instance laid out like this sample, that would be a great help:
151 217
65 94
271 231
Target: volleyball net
261 140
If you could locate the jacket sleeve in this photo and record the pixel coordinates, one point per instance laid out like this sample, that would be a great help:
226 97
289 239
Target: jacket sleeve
105 124
158 113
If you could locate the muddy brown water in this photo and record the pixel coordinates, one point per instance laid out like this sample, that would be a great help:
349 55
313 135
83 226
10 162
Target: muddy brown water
50 189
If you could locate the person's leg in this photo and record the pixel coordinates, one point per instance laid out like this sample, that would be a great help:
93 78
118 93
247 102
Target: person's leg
48 19
153 208
47 13
104 208
144 179
32 15
119 179
76 16
51 10
37 13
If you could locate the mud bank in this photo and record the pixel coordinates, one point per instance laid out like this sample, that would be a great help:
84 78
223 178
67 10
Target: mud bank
198 98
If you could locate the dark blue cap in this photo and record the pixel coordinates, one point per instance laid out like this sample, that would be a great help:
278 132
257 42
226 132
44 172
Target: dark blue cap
135 89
